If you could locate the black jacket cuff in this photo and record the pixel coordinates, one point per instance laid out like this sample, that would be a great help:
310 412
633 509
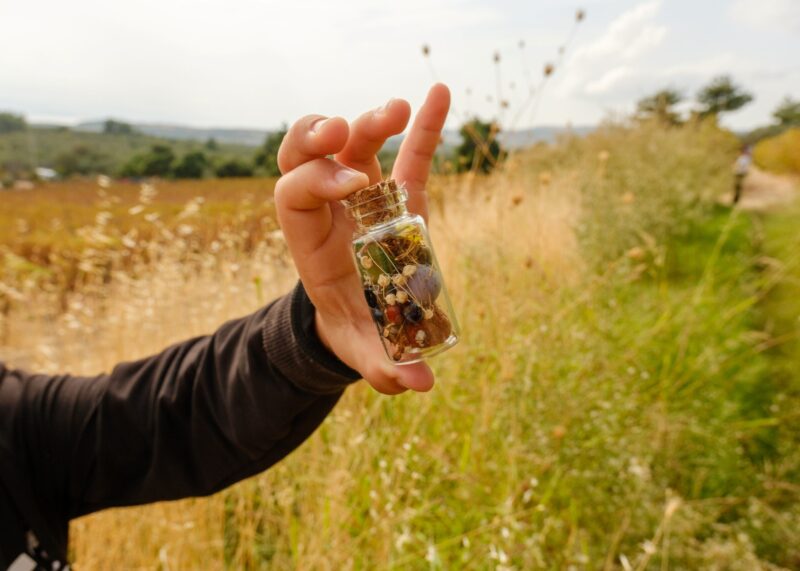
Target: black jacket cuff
292 345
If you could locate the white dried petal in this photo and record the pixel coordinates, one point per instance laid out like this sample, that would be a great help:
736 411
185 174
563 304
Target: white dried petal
409 270
383 280
399 280
428 313
420 337
391 299
366 262
401 297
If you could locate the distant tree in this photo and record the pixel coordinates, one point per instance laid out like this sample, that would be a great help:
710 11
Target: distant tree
157 161
111 127
234 168
660 106
9 122
211 144
267 155
192 165
788 112
722 95
81 160
387 158
479 148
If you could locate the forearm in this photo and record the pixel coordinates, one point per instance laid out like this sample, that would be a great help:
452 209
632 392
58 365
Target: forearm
189 421
210 411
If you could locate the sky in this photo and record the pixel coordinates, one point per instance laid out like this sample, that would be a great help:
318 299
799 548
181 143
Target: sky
259 63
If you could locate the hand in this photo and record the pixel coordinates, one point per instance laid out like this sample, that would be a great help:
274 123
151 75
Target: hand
319 235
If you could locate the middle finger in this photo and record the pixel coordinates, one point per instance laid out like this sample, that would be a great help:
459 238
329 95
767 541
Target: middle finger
369 132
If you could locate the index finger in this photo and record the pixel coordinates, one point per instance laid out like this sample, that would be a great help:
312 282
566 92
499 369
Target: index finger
312 137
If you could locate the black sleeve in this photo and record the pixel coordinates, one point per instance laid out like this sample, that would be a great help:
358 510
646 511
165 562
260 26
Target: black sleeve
189 421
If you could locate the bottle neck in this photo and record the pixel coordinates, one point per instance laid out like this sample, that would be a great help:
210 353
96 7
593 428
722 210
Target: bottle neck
377 205
377 220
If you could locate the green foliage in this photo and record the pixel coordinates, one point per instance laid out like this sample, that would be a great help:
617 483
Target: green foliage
192 165
157 161
267 155
10 123
112 127
722 95
234 168
660 106
53 144
82 160
211 144
643 183
479 150
788 112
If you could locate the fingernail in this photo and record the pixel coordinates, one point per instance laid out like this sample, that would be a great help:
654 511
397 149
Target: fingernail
317 125
382 109
345 175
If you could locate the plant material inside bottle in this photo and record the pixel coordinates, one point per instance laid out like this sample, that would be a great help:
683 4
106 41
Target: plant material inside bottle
402 282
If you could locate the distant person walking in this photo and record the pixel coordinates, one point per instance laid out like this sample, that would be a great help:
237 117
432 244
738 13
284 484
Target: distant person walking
740 169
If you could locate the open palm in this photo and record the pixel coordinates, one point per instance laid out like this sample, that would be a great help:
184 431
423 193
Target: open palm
319 234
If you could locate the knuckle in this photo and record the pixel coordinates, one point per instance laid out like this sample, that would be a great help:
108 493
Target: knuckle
281 189
293 140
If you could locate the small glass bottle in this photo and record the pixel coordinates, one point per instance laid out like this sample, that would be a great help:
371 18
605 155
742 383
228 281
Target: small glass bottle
402 280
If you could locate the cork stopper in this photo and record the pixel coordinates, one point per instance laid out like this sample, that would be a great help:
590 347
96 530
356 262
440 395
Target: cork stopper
376 204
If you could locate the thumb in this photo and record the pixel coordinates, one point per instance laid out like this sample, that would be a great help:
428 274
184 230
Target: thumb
389 378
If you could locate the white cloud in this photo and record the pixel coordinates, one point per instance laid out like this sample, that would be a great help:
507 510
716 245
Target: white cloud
768 15
608 80
628 36
614 58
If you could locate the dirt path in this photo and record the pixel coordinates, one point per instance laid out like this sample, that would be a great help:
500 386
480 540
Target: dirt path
765 191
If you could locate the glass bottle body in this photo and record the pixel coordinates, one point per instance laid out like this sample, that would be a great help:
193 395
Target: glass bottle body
404 288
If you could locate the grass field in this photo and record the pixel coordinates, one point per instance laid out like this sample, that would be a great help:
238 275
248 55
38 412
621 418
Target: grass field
623 397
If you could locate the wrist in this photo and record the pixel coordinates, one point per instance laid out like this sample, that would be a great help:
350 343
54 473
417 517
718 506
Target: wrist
319 328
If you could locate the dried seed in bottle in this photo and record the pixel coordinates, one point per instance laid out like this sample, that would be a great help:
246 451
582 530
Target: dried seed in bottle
392 250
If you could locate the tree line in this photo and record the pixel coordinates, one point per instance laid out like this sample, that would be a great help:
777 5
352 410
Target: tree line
721 95
480 149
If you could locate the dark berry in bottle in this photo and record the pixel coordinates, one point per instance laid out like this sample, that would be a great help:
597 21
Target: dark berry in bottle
413 313
372 299
378 316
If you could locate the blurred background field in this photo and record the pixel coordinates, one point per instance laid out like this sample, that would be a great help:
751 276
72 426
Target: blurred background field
625 395
626 392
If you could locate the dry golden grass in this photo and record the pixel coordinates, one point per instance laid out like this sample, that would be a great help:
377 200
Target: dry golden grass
780 153
58 236
130 318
